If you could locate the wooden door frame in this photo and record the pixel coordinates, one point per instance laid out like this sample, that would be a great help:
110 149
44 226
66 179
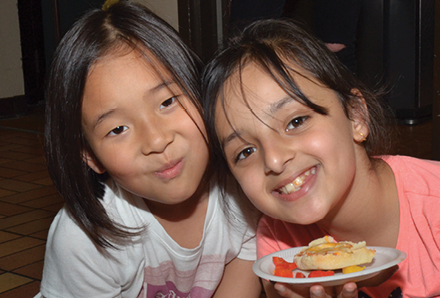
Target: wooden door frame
202 24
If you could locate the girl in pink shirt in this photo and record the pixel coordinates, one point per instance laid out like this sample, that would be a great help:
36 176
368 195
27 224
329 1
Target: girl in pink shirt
302 136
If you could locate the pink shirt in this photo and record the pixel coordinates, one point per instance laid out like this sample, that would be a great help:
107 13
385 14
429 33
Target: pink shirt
418 186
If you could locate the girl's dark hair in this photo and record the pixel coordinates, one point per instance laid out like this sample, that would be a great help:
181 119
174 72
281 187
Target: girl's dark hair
274 45
95 35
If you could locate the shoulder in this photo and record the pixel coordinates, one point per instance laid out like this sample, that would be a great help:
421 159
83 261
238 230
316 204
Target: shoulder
232 222
274 235
67 240
416 175
72 256
233 203
400 161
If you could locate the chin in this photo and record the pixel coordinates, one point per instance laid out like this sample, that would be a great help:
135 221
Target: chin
303 218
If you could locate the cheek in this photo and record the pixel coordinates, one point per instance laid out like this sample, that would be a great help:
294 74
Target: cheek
251 183
116 161
327 141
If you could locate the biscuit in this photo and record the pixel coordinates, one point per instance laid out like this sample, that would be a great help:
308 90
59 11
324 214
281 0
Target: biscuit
327 254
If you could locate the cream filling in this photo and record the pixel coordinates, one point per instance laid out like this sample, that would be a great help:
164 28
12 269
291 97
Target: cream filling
296 184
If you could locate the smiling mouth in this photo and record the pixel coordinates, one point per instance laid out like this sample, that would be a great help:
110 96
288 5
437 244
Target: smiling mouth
296 184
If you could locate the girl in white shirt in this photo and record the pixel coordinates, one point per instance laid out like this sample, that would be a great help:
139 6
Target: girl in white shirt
126 148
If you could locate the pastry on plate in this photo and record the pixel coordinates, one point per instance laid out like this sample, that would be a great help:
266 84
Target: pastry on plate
327 254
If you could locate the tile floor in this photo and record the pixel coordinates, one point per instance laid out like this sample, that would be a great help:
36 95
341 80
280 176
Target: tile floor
28 203
28 200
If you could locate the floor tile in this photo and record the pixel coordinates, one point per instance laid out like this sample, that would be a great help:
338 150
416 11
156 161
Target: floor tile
4 160
24 166
7 209
9 281
27 140
31 227
55 207
25 291
19 186
37 159
24 217
5 236
44 201
6 172
17 245
31 151
37 177
22 258
8 146
44 181
34 270
6 193
18 198
17 155
40 235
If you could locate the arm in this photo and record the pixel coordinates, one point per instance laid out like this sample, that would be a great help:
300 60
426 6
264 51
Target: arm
240 280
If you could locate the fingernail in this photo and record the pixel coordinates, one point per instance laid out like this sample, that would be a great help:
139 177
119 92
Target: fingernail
317 293
280 288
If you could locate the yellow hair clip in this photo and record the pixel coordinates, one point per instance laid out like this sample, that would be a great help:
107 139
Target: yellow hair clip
109 3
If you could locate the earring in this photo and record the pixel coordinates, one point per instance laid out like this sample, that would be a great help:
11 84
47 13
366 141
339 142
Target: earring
363 137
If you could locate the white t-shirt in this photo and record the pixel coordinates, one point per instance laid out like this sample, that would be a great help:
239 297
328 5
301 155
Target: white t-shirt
153 265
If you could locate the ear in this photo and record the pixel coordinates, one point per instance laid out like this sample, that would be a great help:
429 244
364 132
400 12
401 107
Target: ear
359 116
90 159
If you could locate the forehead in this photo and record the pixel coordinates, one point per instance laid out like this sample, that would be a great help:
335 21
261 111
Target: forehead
254 86
254 93
120 71
124 56
120 78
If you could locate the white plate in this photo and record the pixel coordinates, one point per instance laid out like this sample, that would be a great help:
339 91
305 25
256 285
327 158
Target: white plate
384 258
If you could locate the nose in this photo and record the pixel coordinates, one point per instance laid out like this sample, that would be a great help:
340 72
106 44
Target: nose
277 154
156 137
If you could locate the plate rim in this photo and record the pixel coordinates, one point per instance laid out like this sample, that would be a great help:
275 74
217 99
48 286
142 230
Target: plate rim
401 256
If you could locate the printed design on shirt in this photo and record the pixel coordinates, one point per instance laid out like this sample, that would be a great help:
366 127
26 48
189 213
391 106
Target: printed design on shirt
166 281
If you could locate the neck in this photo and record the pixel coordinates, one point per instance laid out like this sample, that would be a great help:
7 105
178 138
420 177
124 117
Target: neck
184 222
370 210
180 211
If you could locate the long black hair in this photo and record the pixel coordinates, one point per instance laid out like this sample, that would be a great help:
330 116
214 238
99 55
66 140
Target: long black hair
273 45
97 33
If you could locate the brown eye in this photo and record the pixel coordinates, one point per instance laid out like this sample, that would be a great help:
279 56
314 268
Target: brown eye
168 102
245 153
297 122
118 130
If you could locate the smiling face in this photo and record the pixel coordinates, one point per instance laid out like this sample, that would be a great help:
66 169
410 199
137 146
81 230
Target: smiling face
138 132
294 164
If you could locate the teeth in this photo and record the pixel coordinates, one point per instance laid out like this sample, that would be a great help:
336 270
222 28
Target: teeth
297 183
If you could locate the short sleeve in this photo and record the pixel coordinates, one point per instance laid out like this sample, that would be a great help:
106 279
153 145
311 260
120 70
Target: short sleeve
274 235
73 265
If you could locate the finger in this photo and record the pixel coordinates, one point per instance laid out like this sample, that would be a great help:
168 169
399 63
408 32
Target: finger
349 290
318 291
287 291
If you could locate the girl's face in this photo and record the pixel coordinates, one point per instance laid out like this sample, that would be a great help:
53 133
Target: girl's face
139 133
293 163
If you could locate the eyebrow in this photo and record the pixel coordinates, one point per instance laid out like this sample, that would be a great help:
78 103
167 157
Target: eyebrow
229 139
273 108
276 106
159 87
